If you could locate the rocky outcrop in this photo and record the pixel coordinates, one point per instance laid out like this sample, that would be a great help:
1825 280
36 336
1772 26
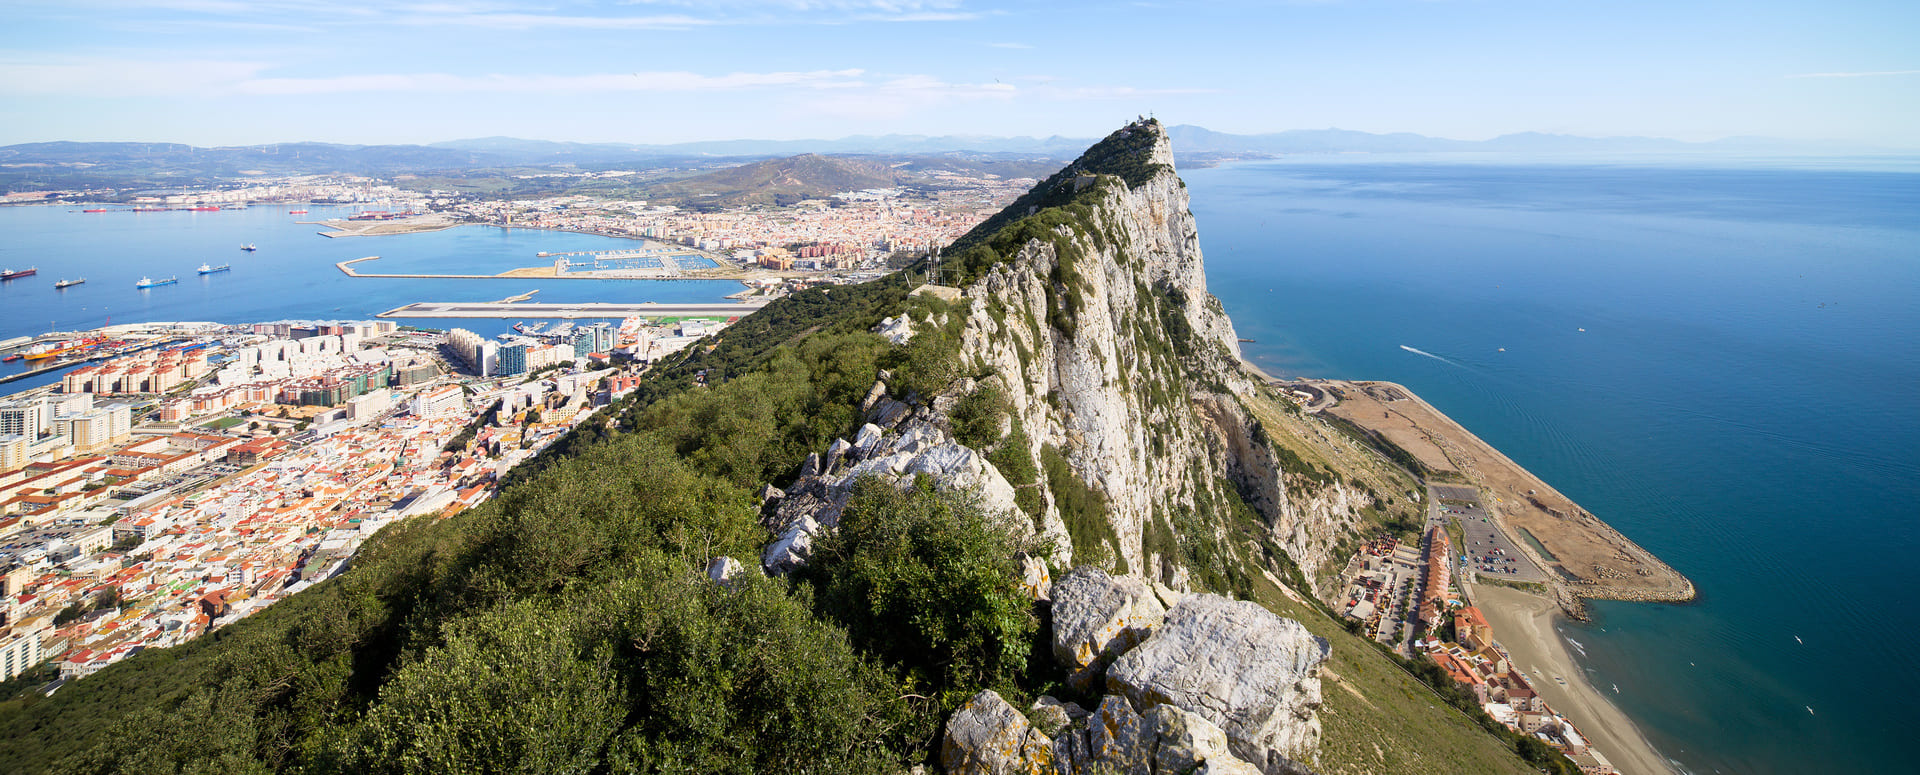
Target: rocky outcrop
988 736
1164 740
897 444
1218 686
1097 617
1250 672
1103 335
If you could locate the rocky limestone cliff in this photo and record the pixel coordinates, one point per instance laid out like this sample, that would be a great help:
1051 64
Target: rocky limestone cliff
1097 323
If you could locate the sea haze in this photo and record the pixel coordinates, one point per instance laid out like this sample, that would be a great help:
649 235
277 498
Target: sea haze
1740 401
291 275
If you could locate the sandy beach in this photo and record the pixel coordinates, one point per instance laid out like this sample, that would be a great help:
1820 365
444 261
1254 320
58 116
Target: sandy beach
1523 623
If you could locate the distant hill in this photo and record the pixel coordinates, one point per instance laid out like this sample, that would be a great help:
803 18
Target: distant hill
783 180
74 165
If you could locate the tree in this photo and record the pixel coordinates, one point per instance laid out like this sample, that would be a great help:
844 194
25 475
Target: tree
925 581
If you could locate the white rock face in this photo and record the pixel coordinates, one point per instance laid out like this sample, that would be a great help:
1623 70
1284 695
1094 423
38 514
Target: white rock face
1136 389
1096 618
723 570
1250 672
898 330
988 736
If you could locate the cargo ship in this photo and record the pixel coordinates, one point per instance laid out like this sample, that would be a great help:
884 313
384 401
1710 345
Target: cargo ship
205 209
95 210
296 212
207 269
248 247
149 209
13 273
146 282
52 349
69 283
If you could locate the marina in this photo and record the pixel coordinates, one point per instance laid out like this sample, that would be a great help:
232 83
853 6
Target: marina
592 309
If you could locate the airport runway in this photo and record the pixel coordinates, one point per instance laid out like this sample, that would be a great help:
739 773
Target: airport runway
587 309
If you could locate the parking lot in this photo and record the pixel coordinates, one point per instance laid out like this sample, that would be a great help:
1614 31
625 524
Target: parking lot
1488 551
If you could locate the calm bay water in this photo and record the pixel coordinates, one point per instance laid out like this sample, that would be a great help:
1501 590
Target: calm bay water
290 276
1742 401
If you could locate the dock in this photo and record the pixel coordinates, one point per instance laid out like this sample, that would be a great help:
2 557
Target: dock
586 309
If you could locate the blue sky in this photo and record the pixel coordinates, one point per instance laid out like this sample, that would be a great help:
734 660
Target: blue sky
217 72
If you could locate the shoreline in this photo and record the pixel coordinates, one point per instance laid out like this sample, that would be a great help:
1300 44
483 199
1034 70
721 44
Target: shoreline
1582 537
1524 624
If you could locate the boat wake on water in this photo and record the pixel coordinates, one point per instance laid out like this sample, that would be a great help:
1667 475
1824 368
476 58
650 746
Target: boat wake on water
1417 351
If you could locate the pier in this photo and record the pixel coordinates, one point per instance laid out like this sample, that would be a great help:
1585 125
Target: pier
587 309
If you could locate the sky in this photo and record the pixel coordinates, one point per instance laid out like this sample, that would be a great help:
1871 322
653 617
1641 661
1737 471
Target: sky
238 72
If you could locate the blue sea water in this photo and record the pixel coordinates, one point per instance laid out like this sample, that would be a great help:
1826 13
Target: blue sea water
1744 401
290 276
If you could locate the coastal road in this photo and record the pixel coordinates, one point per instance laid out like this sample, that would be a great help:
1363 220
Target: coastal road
588 309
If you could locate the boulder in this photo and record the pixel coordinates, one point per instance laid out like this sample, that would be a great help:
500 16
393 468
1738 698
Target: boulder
988 736
897 330
1183 741
723 570
1118 738
1096 618
958 467
1034 578
889 413
793 547
867 440
836 452
1072 709
874 394
1249 672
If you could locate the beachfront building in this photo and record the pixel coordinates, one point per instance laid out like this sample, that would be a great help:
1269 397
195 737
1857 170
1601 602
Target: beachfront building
1434 597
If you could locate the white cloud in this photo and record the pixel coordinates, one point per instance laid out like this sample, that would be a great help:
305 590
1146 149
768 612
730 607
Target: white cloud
1856 75
524 21
674 81
23 75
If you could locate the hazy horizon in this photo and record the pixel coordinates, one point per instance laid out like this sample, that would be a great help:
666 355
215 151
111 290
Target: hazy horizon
656 72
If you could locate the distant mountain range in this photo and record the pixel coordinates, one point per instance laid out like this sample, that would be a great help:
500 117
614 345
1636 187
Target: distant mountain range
67 165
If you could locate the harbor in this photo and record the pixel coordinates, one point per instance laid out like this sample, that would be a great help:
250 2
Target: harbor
427 309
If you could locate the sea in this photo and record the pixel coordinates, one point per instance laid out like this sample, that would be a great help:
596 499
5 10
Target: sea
1719 358
289 275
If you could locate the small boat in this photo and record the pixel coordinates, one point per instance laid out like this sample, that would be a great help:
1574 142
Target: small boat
95 210
248 247
296 212
69 283
204 209
206 269
146 282
13 273
12 358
